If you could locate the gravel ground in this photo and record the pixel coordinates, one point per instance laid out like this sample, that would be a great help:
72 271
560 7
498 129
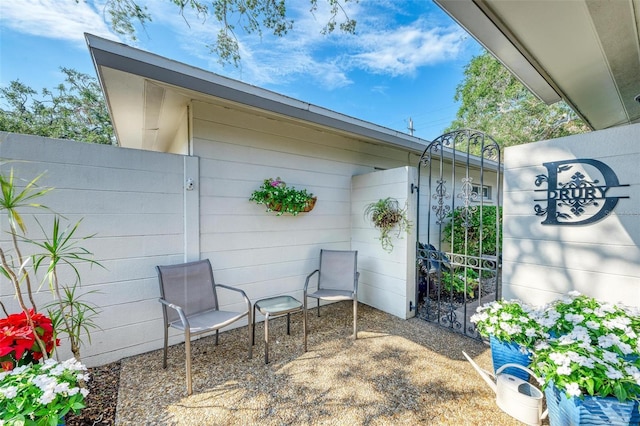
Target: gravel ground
397 372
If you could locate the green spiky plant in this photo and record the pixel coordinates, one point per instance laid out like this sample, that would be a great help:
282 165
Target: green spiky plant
69 312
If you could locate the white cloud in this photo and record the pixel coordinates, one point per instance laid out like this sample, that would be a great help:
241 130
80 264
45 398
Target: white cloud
381 46
403 50
66 20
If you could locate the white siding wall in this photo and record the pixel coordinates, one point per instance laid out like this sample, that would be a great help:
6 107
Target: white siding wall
387 280
133 202
265 254
136 204
601 259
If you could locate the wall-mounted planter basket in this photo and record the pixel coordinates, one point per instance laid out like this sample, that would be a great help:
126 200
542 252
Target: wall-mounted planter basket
311 203
280 198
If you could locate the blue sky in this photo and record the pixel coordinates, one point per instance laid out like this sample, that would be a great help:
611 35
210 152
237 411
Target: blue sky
405 60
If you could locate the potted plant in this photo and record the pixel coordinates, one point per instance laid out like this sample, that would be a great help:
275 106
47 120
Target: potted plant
591 364
513 327
387 215
278 197
42 394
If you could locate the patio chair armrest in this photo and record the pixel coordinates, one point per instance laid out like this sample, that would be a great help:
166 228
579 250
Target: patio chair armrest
244 295
183 317
355 284
306 282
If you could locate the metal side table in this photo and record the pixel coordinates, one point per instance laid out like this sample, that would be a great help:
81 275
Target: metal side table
273 307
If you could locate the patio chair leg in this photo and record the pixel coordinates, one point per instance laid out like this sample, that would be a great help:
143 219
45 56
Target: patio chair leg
304 326
187 349
318 305
304 320
166 342
217 333
252 330
355 319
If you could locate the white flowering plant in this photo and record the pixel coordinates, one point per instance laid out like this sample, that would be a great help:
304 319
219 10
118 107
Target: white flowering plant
42 394
510 321
594 349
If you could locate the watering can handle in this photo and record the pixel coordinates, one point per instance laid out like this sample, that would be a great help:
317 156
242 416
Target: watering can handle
505 366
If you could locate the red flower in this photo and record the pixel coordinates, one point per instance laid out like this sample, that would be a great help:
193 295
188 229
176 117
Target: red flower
17 339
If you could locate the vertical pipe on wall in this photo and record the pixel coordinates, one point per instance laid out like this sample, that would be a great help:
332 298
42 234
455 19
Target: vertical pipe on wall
191 215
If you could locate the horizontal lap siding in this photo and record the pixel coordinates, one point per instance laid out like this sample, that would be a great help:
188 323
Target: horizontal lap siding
601 259
132 201
265 254
387 280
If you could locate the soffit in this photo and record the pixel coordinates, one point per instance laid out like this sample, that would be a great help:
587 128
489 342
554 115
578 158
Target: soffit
586 51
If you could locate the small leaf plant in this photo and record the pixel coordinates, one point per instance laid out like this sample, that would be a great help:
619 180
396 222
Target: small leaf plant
387 216
278 197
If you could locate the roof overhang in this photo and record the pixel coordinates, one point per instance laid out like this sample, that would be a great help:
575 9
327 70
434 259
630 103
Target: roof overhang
586 52
147 95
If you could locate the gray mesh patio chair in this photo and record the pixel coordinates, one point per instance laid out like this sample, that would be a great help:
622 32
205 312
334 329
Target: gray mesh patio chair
189 298
337 279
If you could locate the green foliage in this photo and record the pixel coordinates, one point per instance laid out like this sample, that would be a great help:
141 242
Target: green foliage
453 282
75 110
278 197
42 394
494 101
458 230
250 16
387 215
73 316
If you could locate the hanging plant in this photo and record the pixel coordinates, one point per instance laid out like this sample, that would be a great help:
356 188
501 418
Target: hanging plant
387 215
280 198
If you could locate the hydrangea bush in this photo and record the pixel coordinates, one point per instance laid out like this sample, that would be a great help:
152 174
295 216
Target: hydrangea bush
41 394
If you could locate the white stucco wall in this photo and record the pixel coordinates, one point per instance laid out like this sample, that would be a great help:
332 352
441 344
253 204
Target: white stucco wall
601 259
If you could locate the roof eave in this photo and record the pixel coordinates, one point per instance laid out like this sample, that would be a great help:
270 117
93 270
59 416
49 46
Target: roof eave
106 53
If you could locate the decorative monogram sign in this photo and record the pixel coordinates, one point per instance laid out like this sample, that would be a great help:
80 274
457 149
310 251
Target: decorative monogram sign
578 192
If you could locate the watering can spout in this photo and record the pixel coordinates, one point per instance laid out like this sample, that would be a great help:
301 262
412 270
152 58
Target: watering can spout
486 376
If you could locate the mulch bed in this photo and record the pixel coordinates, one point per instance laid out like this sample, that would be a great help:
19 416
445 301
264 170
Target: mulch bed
102 399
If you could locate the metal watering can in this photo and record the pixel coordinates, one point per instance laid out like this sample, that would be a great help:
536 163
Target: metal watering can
516 397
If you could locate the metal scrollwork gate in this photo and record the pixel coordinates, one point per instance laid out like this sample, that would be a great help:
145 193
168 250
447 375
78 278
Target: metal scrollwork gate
458 253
